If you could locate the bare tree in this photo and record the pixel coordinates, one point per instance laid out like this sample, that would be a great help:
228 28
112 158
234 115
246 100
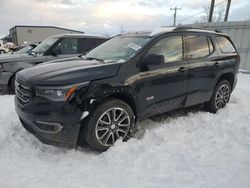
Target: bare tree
218 15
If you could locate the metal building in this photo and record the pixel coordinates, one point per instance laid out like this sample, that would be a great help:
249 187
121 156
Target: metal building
240 35
24 33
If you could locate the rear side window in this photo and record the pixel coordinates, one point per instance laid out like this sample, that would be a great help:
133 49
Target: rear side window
225 45
198 46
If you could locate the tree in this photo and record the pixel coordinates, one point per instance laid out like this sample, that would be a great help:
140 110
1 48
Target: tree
218 15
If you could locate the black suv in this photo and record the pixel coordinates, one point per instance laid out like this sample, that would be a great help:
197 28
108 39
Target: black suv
53 48
100 97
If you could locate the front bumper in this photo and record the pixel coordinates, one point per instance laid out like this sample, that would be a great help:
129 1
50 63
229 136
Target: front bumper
55 123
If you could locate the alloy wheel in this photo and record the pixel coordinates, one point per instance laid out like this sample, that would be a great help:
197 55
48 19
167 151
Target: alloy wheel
113 124
222 96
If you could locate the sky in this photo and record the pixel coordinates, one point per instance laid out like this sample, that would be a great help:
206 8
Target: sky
110 17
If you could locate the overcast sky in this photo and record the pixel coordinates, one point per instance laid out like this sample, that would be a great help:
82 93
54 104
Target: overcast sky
109 16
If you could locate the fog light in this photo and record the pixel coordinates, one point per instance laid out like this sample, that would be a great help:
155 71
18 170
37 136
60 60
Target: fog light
48 127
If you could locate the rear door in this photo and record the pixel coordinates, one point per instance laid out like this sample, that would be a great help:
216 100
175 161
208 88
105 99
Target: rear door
203 67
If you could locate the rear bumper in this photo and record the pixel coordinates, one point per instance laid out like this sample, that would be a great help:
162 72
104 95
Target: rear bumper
56 124
235 82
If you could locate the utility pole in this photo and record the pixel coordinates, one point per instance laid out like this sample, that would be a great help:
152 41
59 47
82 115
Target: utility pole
175 13
210 18
227 10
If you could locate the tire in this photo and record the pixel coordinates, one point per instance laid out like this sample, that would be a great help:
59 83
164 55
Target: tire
220 98
2 52
103 127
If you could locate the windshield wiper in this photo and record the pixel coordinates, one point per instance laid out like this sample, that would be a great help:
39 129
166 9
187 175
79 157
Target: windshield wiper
92 58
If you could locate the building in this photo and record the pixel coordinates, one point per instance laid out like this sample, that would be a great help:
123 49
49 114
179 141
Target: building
240 35
22 33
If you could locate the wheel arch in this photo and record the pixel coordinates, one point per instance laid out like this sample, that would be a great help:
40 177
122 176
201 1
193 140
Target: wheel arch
16 67
12 76
127 98
229 76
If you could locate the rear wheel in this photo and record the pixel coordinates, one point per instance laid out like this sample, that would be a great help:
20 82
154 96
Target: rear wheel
2 52
111 120
220 98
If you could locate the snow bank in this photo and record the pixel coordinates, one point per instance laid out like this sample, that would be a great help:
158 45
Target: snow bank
188 148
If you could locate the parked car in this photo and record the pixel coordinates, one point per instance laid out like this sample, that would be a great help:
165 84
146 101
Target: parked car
100 97
55 47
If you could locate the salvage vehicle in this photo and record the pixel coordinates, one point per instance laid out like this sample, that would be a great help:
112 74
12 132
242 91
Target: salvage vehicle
53 48
100 97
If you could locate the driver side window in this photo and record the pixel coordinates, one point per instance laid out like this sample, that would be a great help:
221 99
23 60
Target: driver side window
67 46
170 47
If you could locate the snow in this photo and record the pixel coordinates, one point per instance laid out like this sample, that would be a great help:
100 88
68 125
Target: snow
187 148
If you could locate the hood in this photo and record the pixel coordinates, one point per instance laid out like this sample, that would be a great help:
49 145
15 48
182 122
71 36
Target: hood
68 72
60 60
8 58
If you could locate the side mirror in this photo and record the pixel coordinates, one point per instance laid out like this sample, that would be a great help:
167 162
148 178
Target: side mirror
152 59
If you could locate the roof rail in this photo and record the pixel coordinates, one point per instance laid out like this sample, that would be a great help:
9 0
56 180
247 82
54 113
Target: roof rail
207 28
203 28
182 28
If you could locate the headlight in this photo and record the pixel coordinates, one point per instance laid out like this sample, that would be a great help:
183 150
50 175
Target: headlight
58 93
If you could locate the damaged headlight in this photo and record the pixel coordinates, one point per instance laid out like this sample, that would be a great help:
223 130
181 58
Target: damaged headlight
59 93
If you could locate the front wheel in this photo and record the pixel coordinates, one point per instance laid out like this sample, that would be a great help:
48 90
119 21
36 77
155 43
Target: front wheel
111 120
220 98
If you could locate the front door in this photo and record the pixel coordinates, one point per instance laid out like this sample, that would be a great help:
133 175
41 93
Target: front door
166 83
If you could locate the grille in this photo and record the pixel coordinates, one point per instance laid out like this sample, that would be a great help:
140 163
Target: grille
23 91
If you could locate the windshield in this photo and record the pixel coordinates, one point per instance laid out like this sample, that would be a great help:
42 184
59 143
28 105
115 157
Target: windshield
45 45
26 49
119 49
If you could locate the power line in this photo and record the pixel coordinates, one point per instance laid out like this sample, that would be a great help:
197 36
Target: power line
175 13
188 17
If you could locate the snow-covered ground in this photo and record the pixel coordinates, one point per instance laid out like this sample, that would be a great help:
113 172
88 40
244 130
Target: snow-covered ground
190 148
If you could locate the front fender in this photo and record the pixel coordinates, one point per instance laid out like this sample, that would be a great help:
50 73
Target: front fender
4 77
89 98
16 66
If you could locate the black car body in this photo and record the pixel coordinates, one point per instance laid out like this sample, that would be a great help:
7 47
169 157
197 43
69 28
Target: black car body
53 48
136 75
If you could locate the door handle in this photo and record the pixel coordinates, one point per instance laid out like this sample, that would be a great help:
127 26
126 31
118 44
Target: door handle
217 64
182 69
